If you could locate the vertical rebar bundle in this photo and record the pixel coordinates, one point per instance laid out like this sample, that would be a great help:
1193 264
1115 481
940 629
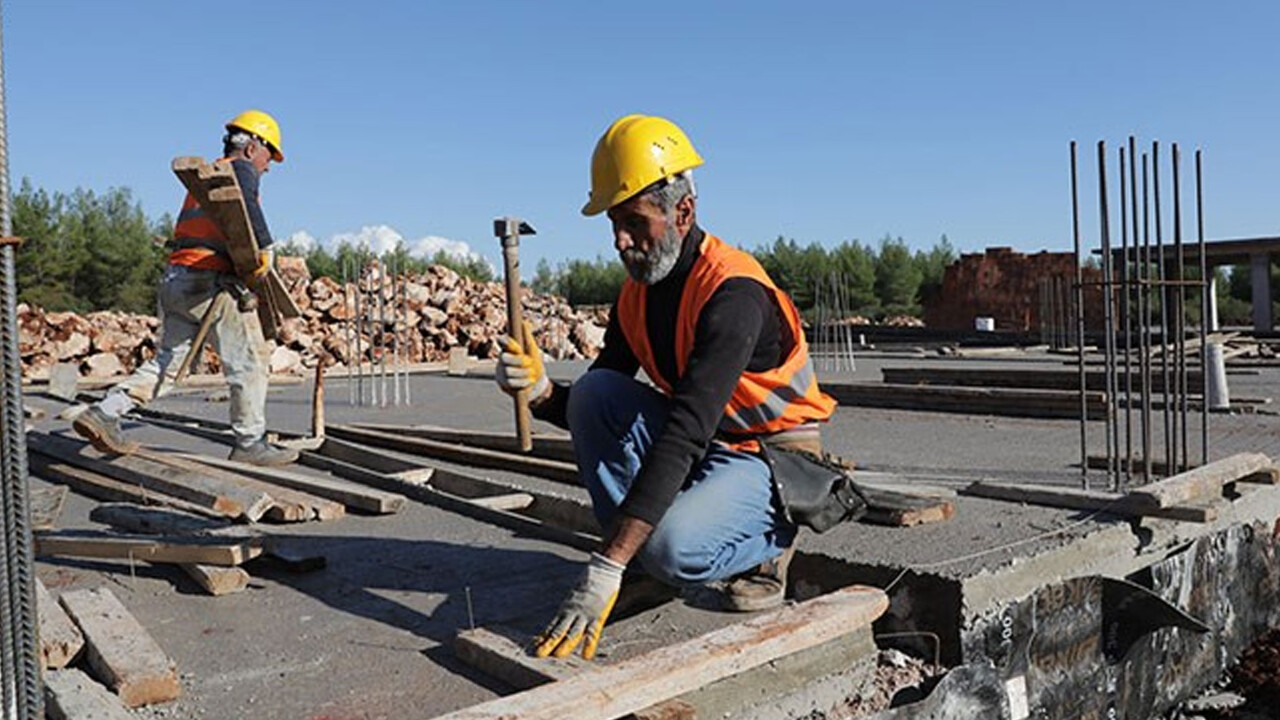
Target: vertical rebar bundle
1133 279
20 690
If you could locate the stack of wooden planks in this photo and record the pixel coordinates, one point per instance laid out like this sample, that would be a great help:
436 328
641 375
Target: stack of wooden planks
87 633
215 188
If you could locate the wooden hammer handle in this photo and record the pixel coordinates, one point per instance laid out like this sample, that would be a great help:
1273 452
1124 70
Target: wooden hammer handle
515 325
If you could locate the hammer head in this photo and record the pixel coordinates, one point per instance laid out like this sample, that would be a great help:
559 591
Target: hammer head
510 227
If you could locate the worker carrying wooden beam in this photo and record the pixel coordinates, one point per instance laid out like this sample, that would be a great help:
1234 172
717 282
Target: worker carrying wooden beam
196 299
676 474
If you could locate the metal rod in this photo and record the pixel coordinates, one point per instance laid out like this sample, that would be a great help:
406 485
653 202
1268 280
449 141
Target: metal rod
346 334
1204 317
20 666
1108 310
1180 359
382 327
1125 287
1146 326
1079 293
408 331
396 264
359 317
1164 311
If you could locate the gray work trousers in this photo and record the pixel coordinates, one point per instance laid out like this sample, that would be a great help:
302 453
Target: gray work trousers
185 295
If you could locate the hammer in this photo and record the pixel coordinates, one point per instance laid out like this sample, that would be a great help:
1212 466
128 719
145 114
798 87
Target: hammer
508 230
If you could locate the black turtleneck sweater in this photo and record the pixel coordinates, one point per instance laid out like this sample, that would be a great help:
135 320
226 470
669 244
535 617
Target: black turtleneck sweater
740 329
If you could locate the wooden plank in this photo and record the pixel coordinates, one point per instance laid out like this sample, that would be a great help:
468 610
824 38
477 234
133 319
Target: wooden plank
973 400
207 551
155 521
508 501
203 180
454 452
60 639
551 447
901 509
499 655
217 580
285 504
1202 482
101 487
608 692
46 505
70 694
1092 500
355 496
225 498
1267 476
1037 378
119 649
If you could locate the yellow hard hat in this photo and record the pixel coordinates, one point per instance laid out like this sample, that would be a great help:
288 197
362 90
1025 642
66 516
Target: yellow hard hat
261 125
634 153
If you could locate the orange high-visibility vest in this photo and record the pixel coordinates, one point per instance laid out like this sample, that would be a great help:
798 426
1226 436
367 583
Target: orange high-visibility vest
763 403
198 241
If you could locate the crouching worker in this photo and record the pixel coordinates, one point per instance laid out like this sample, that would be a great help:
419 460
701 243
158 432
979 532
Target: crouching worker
199 271
676 473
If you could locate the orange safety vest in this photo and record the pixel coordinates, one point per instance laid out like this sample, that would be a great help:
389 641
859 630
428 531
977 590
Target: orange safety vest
763 403
198 241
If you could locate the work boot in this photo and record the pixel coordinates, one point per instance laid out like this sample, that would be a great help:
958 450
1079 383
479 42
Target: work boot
762 588
103 432
263 453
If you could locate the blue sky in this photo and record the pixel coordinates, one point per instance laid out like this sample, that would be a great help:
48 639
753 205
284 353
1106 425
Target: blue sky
822 122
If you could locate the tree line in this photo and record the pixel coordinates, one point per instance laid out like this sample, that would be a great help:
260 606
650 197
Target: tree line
86 251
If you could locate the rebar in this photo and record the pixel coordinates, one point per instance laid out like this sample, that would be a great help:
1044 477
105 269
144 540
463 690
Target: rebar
20 685
359 321
1146 326
1108 313
346 333
1163 294
1180 359
396 263
1205 299
1125 288
382 329
1079 293
408 332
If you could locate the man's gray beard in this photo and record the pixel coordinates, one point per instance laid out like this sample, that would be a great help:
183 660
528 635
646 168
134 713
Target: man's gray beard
652 267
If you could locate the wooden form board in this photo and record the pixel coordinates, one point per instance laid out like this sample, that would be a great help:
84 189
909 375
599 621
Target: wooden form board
1158 468
119 649
70 694
225 498
1205 481
217 580
101 487
904 509
973 400
46 505
1093 500
177 550
609 692
550 447
1016 378
352 495
60 639
455 452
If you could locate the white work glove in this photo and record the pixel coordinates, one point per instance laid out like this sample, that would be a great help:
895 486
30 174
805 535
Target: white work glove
584 612
520 367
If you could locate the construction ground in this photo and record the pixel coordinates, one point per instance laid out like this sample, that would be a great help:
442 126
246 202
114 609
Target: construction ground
998 608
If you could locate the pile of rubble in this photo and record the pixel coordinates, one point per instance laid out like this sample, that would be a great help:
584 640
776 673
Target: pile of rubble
422 317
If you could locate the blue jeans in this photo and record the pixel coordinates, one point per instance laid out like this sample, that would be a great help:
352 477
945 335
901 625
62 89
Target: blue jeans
724 519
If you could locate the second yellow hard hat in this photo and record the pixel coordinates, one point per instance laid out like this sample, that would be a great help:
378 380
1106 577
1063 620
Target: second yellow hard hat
262 125
634 153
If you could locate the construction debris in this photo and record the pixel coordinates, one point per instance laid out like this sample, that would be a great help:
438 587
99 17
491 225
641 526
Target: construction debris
119 649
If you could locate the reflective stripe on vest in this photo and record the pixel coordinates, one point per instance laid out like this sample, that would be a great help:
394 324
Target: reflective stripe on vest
762 402
197 240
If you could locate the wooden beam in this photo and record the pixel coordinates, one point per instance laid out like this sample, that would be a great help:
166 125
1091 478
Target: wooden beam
612 691
119 649
500 656
355 496
72 695
551 447
508 501
1092 500
225 498
1203 482
60 639
1267 476
902 509
101 487
972 400
1037 378
454 452
178 550
46 505
217 580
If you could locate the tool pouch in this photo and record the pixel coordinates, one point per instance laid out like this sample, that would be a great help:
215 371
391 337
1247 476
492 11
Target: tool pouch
814 492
